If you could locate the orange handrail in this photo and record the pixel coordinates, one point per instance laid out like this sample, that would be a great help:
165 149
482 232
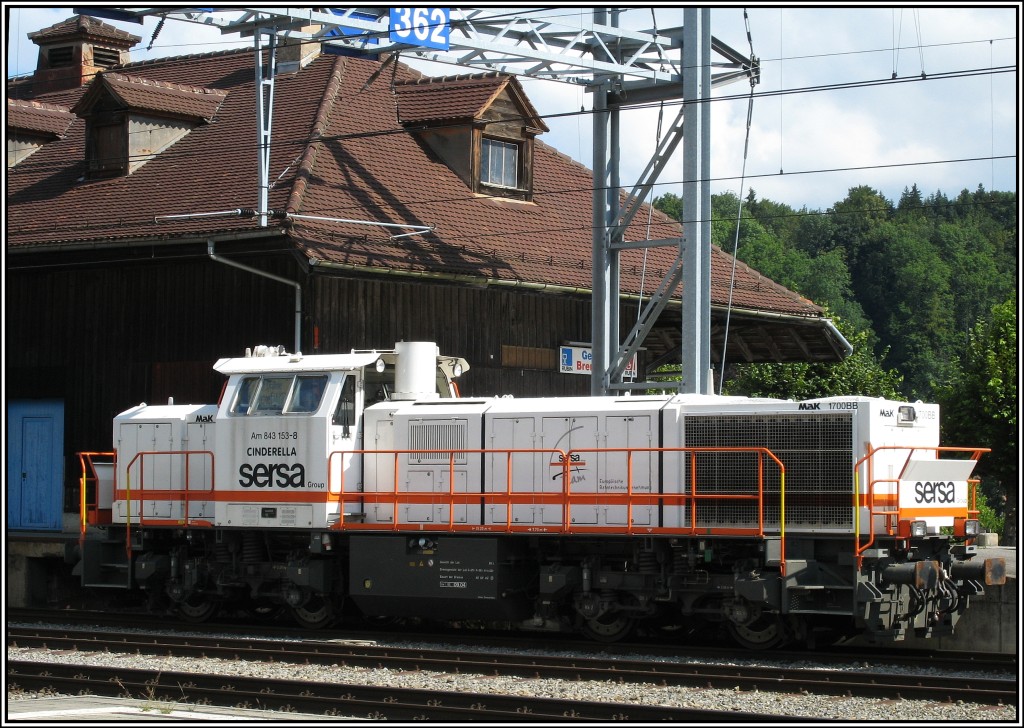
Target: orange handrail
183 496
872 482
690 498
85 460
564 497
394 497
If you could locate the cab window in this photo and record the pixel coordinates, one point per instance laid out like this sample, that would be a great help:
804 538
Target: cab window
345 413
246 394
272 396
307 393
280 394
378 386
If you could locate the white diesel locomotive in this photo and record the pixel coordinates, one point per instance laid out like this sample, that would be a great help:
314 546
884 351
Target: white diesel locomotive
362 484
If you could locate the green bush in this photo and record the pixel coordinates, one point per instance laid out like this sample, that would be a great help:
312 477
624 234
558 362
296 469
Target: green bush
990 521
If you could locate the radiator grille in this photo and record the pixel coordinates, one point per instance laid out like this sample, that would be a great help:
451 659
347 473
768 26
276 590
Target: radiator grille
451 435
817 454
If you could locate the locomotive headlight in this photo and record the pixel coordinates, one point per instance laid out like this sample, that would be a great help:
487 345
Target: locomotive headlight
918 528
379 366
972 528
457 371
906 415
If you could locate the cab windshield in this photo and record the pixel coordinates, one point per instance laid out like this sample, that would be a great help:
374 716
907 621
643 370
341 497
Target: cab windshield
275 394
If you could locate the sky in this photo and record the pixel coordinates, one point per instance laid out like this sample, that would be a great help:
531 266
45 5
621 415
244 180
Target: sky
807 145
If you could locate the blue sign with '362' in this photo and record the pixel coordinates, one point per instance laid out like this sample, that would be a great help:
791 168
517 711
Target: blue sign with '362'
427 27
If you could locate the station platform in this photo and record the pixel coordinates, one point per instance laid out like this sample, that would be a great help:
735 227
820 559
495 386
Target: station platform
98 709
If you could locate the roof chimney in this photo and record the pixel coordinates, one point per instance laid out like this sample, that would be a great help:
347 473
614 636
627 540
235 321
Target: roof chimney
294 54
73 51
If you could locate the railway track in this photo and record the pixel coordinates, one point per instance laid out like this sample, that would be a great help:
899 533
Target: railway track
843 681
876 657
341 700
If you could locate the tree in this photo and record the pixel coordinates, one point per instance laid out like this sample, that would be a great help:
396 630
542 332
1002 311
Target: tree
815 232
670 204
980 408
828 284
861 374
781 219
903 284
911 200
854 218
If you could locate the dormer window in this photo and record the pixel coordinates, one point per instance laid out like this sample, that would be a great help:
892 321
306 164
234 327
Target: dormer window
499 163
31 124
481 126
108 155
129 120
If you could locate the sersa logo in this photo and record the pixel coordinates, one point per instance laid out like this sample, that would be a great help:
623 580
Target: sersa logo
267 475
934 493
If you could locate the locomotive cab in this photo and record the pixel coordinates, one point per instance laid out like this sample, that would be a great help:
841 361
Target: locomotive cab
289 425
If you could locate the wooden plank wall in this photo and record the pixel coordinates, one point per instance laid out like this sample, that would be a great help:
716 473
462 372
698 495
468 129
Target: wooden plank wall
475 323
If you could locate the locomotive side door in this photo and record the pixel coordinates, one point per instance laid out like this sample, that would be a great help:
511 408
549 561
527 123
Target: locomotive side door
345 437
565 434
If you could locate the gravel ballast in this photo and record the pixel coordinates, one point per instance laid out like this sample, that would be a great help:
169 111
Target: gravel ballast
804 705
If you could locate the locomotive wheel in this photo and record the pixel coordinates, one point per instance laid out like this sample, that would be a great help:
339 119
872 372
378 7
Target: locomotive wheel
609 627
762 634
197 609
317 613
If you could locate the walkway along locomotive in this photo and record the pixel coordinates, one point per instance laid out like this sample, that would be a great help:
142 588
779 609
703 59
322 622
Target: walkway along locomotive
363 481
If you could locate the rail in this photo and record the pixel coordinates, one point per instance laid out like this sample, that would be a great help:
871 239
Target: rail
890 508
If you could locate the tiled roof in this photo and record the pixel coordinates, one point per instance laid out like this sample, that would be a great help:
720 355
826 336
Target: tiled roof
79 25
33 116
136 92
340 151
445 98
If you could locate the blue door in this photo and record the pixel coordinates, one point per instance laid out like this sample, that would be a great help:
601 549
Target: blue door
35 465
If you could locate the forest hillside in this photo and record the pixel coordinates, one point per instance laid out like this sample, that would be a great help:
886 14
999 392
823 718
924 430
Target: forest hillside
924 287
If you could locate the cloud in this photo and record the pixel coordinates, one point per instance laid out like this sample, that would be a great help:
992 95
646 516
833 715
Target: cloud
806 135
